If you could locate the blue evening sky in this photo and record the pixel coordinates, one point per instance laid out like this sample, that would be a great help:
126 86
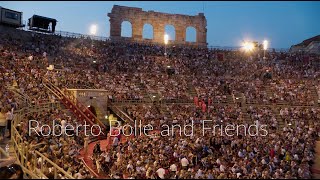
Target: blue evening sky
228 23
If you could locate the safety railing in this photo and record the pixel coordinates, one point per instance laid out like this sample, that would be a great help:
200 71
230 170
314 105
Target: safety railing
121 114
120 101
78 111
23 99
25 154
78 35
176 101
82 107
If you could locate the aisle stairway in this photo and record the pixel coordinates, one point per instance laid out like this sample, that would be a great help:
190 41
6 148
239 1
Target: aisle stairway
101 110
230 98
315 96
245 116
81 112
11 152
268 91
105 145
143 89
192 91
165 112
281 122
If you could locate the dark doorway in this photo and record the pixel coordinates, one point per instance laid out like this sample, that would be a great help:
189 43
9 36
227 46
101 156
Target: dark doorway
93 110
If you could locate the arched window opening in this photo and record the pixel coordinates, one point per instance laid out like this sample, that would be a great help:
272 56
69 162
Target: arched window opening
147 31
126 29
191 34
171 32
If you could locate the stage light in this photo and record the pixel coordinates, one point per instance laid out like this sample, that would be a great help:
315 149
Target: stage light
265 45
248 46
166 39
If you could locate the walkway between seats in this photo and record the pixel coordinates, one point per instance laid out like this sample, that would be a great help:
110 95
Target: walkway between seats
105 143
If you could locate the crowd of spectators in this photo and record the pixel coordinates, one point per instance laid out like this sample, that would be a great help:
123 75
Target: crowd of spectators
47 137
283 153
130 71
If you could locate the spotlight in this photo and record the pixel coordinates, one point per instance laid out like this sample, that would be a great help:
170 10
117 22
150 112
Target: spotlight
265 45
93 29
248 46
166 39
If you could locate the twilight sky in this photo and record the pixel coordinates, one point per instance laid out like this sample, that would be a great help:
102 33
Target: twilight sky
228 23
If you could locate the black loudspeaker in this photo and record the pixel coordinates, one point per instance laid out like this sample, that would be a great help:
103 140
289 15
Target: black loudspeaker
40 23
268 75
171 71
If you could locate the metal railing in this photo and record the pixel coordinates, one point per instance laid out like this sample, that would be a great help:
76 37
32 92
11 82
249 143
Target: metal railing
82 107
142 41
81 111
26 157
78 35
121 114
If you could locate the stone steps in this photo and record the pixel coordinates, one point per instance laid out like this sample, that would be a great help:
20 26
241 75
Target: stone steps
281 122
3 146
269 91
245 116
145 94
165 112
315 95
192 90
230 99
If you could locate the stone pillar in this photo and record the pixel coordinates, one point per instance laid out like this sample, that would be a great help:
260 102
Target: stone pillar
202 36
201 30
158 32
137 28
180 34
115 27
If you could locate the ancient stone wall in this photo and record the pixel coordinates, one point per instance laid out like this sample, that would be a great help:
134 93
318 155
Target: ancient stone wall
138 18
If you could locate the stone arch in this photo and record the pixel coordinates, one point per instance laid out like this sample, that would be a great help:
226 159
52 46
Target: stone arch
126 28
148 31
138 18
191 34
171 31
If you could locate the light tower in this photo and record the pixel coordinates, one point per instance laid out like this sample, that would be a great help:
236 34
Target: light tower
265 47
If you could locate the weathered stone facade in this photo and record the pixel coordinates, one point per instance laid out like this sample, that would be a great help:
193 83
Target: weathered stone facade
138 18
